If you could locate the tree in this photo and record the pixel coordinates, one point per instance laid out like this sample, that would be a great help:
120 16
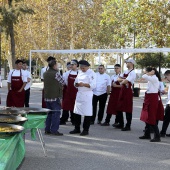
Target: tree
10 12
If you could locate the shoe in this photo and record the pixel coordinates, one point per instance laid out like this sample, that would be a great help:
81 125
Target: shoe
75 131
162 135
57 134
99 122
115 124
84 133
62 123
47 133
105 124
91 123
119 126
168 135
155 140
144 137
126 129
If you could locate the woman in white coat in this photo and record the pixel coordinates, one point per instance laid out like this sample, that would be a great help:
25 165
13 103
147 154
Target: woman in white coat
85 82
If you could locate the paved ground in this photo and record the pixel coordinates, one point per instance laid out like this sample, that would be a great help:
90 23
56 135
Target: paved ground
105 148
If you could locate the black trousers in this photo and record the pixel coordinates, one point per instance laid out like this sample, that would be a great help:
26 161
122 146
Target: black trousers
65 116
155 129
166 120
102 102
86 122
118 118
128 118
27 97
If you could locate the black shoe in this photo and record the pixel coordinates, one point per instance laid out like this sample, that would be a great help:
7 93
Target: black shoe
47 133
162 135
62 123
57 134
168 135
84 133
105 124
91 123
99 122
75 131
115 124
119 126
155 140
126 129
144 137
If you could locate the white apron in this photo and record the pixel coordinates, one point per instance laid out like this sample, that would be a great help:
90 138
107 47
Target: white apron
83 103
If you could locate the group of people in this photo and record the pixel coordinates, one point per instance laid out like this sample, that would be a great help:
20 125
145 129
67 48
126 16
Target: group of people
79 90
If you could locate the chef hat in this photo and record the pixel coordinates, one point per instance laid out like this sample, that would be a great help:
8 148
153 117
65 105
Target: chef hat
130 60
84 62
50 58
74 61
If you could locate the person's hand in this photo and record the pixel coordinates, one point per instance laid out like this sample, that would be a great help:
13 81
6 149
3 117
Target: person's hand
81 84
114 85
20 90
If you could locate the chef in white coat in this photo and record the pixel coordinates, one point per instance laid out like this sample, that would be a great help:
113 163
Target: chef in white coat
85 82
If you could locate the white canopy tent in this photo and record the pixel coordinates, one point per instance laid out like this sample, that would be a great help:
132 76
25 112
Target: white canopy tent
99 51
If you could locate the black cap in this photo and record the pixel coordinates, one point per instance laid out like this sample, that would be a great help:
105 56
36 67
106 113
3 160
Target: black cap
75 61
50 58
18 61
84 62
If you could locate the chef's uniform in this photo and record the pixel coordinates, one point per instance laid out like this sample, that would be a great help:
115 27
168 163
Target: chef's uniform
83 103
113 101
100 94
27 88
125 101
150 106
69 96
14 98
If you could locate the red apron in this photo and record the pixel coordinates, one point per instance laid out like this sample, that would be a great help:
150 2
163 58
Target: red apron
43 103
149 110
70 94
160 110
15 98
125 101
113 100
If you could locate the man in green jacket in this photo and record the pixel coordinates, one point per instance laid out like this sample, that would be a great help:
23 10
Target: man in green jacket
53 83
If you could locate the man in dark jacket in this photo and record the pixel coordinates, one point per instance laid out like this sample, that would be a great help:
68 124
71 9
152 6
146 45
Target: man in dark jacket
52 94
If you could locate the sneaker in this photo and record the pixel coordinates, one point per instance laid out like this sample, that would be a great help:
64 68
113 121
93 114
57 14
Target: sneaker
57 133
155 140
144 137
126 129
99 122
47 133
105 124
75 131
84 133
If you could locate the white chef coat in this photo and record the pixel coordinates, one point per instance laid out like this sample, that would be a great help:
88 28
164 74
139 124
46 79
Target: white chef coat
153 83
28 85
114 77
131 76
161 86
102 81
83 103
43 70
168 100
17 73
66 74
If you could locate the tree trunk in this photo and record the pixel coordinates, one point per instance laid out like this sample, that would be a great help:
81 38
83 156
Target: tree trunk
12 41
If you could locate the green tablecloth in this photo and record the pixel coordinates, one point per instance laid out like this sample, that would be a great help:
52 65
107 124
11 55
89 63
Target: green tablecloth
12 151
34 122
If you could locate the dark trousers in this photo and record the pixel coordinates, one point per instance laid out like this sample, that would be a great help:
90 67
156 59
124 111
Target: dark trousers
65 116
128 118
118 118
166 120
102 102
86 122
53 117
155 129
27 97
